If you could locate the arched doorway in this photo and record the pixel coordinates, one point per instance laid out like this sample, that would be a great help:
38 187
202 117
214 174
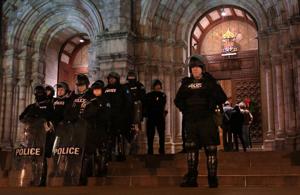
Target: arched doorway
73 58
66 55
227 36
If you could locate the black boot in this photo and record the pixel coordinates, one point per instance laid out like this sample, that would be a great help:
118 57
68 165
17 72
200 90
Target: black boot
86 170
213 181
212 165
190 179
102 161
43 180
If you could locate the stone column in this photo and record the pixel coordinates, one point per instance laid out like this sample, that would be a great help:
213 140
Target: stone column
21 95
278 102
177 114
142 134
289 101
8 83
296 70
37 69
167 90
267 98
93 66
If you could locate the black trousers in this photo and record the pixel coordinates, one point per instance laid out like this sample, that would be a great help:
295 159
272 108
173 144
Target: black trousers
159 124
227 138
183 132
236 135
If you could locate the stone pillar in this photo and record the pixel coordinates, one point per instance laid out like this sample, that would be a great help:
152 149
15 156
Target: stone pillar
177 114
93 67
278 102
8 83
296 70
37 69
267 98
167 90
21 95
289 102
142 134
114 53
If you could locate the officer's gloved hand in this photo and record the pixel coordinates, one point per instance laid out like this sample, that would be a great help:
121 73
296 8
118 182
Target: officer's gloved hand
48 126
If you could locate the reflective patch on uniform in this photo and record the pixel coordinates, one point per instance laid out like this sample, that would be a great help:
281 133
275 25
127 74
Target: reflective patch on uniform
195 85
108 105
79 100
110 90
43 107
132 88
59 103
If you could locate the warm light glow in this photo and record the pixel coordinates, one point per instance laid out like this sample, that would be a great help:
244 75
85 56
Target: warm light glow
223 13
22 177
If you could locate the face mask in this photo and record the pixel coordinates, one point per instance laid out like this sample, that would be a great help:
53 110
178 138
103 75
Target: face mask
40 98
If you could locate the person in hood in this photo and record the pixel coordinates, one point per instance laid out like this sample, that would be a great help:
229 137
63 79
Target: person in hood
197 98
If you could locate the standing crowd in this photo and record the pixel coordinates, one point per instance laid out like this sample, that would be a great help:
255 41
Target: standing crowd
108 117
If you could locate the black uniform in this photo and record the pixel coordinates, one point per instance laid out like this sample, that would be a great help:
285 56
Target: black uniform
59 105
197 100
155 103
137 92
42 109
76 105
119 99
97 113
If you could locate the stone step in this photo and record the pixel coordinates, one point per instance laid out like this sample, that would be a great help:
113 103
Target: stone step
231 160
166 181
181 171
235 169
228 180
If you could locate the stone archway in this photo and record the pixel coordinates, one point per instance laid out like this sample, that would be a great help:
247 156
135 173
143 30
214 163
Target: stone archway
169 34
236 64
34 37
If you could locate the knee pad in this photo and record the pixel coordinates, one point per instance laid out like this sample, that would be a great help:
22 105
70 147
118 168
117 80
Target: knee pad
211 155
190 146
210 150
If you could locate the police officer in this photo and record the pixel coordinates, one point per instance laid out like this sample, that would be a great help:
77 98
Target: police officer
120 101
74 115
155 102
197 99
78 100
41 109
50 92
137 92
60 102
97 113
